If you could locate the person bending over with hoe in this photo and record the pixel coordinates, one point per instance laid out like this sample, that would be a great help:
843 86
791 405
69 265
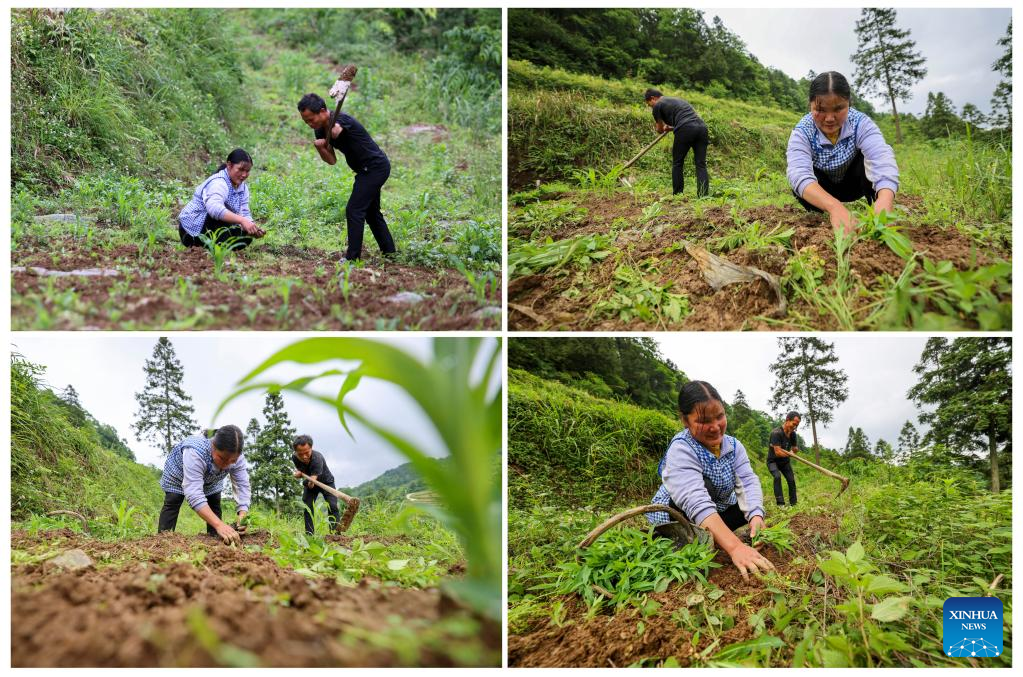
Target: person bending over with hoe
782 444
219 209
673 114
837 154
365 158
314 465
706 475
195 471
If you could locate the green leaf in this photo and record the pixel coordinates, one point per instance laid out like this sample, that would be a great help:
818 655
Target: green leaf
397 564
891 609
855 552
882 585
747 648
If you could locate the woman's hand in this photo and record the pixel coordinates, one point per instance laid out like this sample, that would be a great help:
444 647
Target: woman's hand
336 131
250 227
885 198
841 218
755 525
321 144
298 473
228 534
746 559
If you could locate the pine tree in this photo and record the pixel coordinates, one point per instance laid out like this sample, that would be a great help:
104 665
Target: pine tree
73 406
884 450
973 116
969 382
909 441
807 379
270 458
939 118
165 413
857 445
886 62
1001 101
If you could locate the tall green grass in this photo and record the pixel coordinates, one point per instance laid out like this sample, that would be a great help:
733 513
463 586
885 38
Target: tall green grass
145 91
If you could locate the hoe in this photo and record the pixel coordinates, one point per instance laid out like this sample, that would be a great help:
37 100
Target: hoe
351 503
639 155
825 471
340 90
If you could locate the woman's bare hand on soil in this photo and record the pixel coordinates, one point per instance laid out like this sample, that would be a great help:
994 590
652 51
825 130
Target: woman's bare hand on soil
747 561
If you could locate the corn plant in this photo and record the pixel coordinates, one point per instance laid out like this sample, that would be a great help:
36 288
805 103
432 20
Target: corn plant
634 296
525 258
604 183
458 388
124 516
219 249
778 535
878 227
755 237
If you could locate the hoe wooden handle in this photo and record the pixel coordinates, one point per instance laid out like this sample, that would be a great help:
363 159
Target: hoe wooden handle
643 152
825 471
351 503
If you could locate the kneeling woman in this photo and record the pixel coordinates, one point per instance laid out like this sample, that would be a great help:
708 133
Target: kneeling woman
195 471
219 209
837 154
707 476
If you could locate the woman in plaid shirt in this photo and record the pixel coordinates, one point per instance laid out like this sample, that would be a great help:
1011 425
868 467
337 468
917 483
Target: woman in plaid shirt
837 154
707 476
219 209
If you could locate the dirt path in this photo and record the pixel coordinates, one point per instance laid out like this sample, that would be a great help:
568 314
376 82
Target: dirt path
172 601
280 289
613 640
564 300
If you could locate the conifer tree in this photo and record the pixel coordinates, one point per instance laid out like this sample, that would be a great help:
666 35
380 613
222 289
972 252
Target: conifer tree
909 441
968 381
808 379
165 414
270 459
75 412
1001 101
885 61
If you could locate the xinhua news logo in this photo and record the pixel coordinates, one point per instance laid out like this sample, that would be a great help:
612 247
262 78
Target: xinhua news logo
972 627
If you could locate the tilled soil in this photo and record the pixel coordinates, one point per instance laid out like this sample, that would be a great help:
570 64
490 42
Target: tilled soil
565 300
170 601
153 291
613 640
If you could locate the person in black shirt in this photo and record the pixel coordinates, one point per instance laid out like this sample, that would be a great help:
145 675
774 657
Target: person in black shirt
671 113
313 464
369 163
783 441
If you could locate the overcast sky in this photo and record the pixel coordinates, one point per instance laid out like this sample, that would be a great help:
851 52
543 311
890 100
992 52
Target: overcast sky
959 46
880 371
106 370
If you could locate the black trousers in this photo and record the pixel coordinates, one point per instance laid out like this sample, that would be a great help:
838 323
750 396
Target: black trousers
852 187
732 517
777 469
309 498
220 231
364 206
697 138
172 506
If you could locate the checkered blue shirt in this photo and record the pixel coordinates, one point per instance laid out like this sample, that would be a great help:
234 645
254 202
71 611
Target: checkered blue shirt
809 149
173 479
722 479
215 196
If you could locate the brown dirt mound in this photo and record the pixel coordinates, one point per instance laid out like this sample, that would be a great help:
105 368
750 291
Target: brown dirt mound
564 300
613 640
149 294
216 605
